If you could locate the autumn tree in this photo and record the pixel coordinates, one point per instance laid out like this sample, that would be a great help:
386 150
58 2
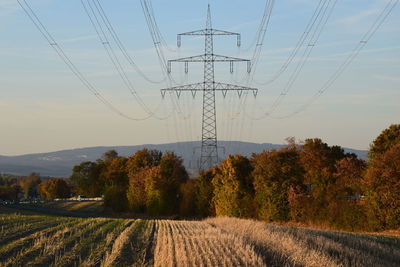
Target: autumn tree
139 166
233 187
319 162
54 188
30 184
385 141
275 172
187 205
155 182
143 158
115 177
136 193
382 186
344 208
116 172
348 177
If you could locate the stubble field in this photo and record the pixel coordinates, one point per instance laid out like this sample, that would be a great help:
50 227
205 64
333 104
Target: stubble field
35 240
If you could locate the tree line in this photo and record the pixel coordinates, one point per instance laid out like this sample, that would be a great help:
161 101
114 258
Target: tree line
16 188
309 183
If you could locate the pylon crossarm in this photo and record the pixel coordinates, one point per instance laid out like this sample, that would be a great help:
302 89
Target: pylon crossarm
209 144
195 87
208 32
201 58
221 32
198 32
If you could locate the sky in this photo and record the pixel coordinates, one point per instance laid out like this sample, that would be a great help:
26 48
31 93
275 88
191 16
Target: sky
44 107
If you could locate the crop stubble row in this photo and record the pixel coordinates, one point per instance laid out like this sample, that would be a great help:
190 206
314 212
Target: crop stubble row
63 241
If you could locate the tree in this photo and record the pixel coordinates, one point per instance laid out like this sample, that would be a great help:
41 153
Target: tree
29 185
348 177
9 192
385 141
115 198
88 178
204 194
140 166
155 182
319 162
116 173
382 185
233 187
187 205
54 188
344 208
115 177
167 183
109 155
142 159
275 172
136 193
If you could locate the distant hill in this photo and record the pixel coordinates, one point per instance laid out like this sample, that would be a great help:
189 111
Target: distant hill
60 163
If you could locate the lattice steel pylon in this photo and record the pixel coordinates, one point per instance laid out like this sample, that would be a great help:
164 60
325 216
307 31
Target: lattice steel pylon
209 145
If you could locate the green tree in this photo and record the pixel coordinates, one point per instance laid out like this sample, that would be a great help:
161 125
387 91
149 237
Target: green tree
9 192
233 187
204 191
275 172
172 174
385 141
115 198
109 155
54 188
88 178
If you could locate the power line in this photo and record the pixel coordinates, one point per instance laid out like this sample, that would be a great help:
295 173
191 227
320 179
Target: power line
320 22
353 54
120 45
160 35
96 23
208 87
261 36
111 54
58 49
311 44
299 44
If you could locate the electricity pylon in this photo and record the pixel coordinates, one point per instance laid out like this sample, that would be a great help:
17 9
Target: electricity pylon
209 147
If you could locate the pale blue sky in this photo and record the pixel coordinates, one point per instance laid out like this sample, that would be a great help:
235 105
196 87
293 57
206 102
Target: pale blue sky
44 107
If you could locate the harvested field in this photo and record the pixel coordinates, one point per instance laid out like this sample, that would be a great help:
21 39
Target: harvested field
187 243
34 240
64 241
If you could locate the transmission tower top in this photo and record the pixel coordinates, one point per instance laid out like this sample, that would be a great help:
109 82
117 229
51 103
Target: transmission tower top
208 23
209 148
